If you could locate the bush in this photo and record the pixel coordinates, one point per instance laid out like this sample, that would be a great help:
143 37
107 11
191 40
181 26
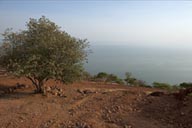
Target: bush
114 79
185 85
119 81
111 78
102 75
129 79
105 77
161 85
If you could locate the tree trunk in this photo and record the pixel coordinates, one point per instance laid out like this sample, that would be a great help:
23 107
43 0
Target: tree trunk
38 84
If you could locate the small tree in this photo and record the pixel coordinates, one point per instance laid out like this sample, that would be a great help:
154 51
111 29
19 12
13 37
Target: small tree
101 76
129 79
43 52
114 79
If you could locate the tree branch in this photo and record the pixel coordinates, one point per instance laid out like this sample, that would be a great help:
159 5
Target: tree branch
33 81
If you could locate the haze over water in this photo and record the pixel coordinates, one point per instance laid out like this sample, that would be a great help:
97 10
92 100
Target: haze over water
150 64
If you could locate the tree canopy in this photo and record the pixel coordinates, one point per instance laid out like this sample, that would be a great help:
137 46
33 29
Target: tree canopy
42 52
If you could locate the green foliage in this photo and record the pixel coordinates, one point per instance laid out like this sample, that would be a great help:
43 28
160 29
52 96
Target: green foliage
110 78
114 79
102 75
130 80
185 85
43 52
190 94
119 81
161 85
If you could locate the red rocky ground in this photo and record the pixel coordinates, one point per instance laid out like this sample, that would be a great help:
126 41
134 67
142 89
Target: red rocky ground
89 105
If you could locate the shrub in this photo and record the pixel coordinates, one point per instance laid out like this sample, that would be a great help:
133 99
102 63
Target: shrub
129 79
102 75
161 85
105 77
185 85
114 79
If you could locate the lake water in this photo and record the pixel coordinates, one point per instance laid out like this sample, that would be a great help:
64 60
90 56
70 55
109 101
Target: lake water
170 65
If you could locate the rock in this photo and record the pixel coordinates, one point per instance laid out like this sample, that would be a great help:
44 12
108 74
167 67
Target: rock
54 91
109 112
182 113
60 94
157 93
48 89
60 90
88 91
48 124
79 91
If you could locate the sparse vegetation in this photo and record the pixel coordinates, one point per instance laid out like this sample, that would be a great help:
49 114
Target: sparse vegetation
114 79
129 79
107 78
185 85
132 81
65 106
161 85
101 76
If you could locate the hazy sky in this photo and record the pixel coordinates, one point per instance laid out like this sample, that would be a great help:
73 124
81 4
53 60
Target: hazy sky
153 23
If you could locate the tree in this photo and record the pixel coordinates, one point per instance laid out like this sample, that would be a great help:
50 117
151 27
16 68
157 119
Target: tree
114 79
102 75
129 79
43 52
111 78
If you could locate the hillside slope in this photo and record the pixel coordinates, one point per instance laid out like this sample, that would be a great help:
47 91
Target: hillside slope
90 105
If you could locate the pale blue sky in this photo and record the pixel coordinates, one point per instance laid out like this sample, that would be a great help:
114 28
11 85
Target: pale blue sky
149 23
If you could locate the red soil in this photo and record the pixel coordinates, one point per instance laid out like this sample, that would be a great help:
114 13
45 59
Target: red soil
91 105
